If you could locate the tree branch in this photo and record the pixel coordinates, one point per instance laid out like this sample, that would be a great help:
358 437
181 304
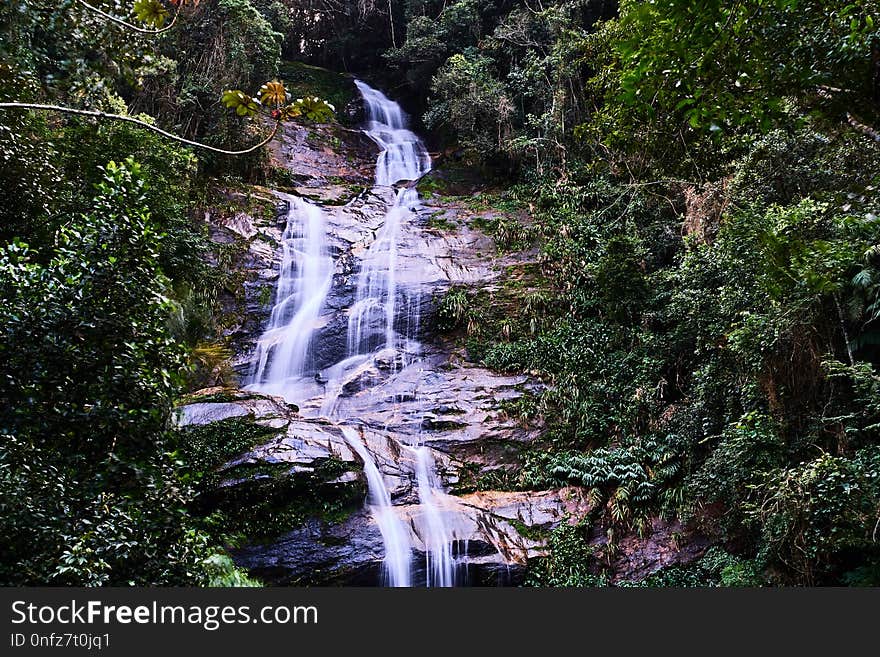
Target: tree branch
128 25
866 130
143 124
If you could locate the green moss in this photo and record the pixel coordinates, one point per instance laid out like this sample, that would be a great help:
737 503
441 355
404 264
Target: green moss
305 80
440 221
282 500
439 424
264 298
351 192
223 396
208 446
532 532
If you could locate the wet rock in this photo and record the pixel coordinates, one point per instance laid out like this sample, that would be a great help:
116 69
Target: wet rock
495 533
219 235
388 360
304 443
241 224
330 345
473 430
533 509
418 395
330 194
207 413
257 407
262 256
320 154
319 553
488 543
300 442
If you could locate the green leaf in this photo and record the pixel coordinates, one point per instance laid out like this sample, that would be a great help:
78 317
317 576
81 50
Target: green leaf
274 94
243 104
151 12
311 108
684 103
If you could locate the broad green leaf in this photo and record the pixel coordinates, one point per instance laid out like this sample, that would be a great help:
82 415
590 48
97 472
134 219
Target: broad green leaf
243 104
273 94
151 12
311 108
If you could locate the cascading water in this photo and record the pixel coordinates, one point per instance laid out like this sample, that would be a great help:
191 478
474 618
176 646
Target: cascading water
395 536
375 324
439 564
282 355
403 157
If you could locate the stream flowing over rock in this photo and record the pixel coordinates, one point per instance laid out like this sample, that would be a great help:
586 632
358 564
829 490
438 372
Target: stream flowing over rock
333 344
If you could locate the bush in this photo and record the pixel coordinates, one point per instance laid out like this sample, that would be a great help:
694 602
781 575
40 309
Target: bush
90 495
570 563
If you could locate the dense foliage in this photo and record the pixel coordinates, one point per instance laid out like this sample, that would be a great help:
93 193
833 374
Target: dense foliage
105 285
89 490
702 182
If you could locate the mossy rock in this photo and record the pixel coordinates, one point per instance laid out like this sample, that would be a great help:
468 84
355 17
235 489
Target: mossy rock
305 80
277 498
216 395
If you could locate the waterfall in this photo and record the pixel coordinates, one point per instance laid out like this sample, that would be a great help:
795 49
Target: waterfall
439 565
403 157
395 536
303 284
283 359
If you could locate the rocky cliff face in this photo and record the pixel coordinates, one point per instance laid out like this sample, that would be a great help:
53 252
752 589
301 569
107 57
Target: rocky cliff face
442 400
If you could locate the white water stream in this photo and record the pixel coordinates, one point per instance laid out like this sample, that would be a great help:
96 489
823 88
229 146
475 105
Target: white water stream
303 284
377 322
439 564
395 536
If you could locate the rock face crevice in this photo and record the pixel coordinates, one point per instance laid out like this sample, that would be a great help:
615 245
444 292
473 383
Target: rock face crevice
437 399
